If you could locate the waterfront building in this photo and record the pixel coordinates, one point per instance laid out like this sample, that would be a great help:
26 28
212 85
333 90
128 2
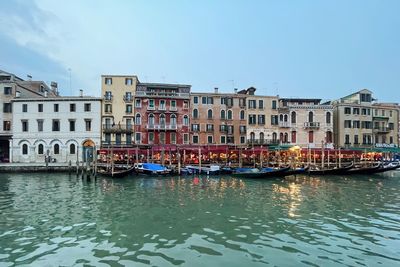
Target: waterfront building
359 122
117 114
61 129
305 122
262 118
218 118
162 113
12 86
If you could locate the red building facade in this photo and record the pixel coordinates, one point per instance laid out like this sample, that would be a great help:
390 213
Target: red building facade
162 113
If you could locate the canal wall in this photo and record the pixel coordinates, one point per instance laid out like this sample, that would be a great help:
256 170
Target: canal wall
37 167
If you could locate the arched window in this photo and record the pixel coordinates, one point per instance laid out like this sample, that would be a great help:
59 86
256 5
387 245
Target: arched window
310 116
328 117
24 149
40 149
162 119
274 137
138 119
281 137
328 137
285 118
281 117
293 119
294 135
195 113
173 120
261 138
209 114
252 137
186 120
229 114
72 149
222 114
242 114
151 119
56 149
285 138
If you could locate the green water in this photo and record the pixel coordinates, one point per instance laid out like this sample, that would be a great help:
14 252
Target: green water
60 220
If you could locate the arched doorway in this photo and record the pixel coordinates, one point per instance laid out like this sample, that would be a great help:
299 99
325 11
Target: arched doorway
87 150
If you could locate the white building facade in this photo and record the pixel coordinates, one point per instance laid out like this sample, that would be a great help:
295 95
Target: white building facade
60 129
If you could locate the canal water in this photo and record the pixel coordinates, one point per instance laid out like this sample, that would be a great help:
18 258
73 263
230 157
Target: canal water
61 220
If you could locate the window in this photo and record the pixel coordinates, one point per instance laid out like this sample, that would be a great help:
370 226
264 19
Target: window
87 107
72 107
356 111
356 139
162 138
347 124
138 103
273 104
383 113
72 149
128 109
204 100
210 139
195 100
40 125
172 137
261 104
173 121
195 139
347 139
365 97
293 136
151 104
128 81
185 104
7 108
129 124
261 137
252 119
108 96
242 115
40 107
24 149
162 119
56 126
391 126
391 140
223 139
390 113
223 100
72 125
88 125
195 127
274 119
329 137
185 120
56 149
151 120
261 119
356 124
252 104
151 137
347 110
328 118
293 117
108 108
210 127
55 107
242 139
40 149
186 138
364 111
222 114
25 126
242 102
24 107
138 138
138 119
7 90
210 100
108 81
6 125
242 129
209 114
173 105
229 114
107 138
162 105
310 116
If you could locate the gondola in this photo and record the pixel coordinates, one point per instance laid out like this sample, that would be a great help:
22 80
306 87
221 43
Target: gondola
117 173
296 171
334 171
388 167
365 170
261 174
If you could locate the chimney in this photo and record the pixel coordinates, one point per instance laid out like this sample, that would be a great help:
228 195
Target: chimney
81 93
45 93
216 90
235 90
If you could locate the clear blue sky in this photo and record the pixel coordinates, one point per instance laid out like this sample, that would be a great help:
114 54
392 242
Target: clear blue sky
325 49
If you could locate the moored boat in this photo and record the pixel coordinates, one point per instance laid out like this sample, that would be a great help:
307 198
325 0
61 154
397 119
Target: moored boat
116 173
151 169
388 167
261 174
333 171
365 170
296 171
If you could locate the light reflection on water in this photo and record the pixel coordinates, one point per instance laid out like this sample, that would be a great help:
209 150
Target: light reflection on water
53 220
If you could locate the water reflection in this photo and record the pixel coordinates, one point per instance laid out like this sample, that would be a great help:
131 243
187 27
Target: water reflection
196 221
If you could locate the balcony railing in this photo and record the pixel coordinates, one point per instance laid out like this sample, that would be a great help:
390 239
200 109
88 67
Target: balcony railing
117 128
163 94
381 130
161 126
162 107
262 142
284 124
108 98
312 125
151 108
128 98
173 108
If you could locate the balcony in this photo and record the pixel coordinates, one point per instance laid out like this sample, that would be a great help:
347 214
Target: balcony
108 98
162 108
162 127
151 108
128 98
383 130
117 128
262 142
284 124
173 109
163 94
311 125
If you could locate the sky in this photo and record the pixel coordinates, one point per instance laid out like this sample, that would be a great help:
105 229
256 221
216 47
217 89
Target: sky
291 48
